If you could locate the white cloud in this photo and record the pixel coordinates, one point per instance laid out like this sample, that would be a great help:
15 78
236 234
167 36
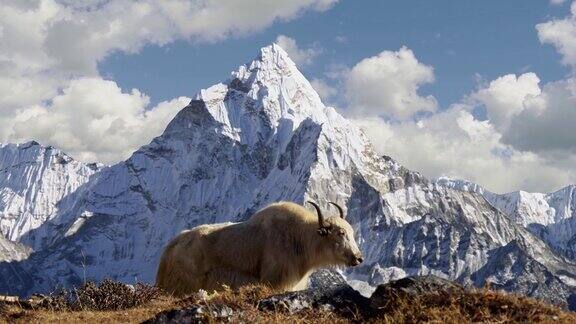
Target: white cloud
51 50
531 118
300 56
561 33
526 143
453 143
341 39
324 90
557 2
388 84
76 37
546 125
507 96
93 119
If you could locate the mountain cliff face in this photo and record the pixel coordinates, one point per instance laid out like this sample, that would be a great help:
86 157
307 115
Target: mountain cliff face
550 216
35 184
261 136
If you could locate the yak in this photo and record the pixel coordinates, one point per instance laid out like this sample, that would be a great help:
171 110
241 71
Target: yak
278 246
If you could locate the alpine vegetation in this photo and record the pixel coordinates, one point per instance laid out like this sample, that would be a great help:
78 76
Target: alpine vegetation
278 246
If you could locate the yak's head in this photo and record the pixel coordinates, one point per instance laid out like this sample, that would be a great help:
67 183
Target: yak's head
338 238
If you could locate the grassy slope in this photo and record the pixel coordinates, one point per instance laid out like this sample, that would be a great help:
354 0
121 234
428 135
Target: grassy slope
471 306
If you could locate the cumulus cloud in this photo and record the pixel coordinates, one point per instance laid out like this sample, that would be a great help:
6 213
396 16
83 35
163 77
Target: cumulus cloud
82 123
324 90
51 50
300 56
506 96
74 37
453 143
531 118
561 33
527 141
388 84
524 143
546 125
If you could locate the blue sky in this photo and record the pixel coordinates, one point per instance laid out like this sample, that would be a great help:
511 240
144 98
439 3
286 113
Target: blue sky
462 40
478 90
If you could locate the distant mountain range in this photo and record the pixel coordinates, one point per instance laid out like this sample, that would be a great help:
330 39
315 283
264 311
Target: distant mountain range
264 135
550 216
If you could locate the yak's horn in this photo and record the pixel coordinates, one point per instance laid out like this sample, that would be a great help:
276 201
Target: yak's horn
340 210
320 216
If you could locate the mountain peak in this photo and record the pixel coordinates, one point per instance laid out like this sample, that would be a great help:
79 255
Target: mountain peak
274 53
34 182
274 56
30 152
271 65
266 101
269 93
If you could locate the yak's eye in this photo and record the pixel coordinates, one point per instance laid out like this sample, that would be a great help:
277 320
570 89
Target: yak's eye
341 233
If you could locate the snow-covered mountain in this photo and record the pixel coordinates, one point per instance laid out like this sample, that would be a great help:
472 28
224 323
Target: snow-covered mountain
550 216
35 184
261 136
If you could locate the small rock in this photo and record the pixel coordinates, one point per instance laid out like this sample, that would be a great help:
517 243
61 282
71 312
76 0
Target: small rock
188 315
326 308
196 314
290 303
326 279
327 292
202 295
224 312
413 286
8 299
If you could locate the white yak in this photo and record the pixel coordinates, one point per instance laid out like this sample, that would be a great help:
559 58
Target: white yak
279 246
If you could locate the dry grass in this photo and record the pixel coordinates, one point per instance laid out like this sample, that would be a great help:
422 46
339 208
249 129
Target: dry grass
474 306
108 301
109 295
138 314
467 307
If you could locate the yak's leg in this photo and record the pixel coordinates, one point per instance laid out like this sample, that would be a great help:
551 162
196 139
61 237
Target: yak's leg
217 278
302 284
179 276
281 278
